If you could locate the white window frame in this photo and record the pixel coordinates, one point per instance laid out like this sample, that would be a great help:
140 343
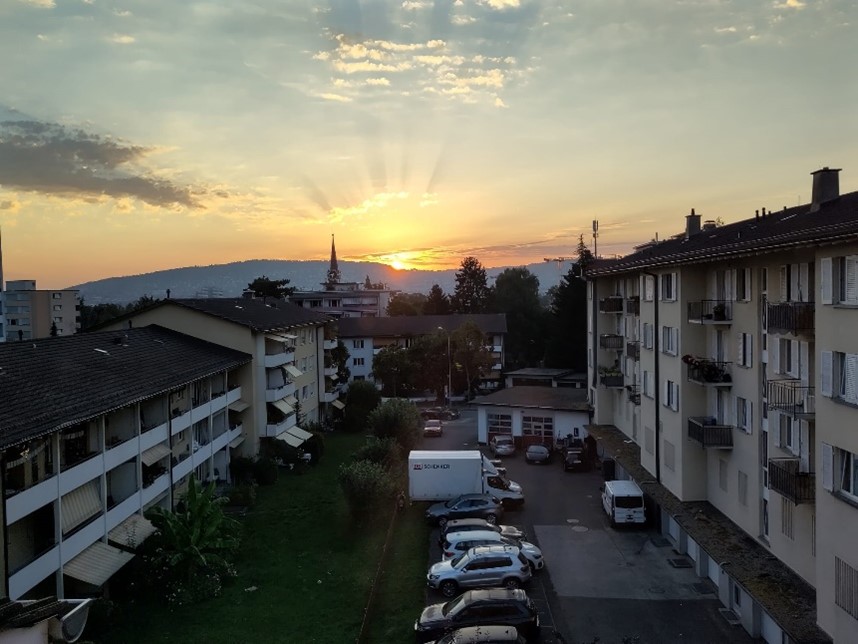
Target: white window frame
671 395
357 344
744 414
668 293
845 380
670 340
847 473
648 384
745 350
647 335
743 284
648 288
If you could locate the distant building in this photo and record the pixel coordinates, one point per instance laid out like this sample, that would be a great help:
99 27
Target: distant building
542 377
2 298
344 299
32 313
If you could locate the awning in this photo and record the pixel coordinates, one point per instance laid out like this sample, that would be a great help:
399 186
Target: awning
238 406
333 376
155 454
289 439
80 504
299 433
283 406
338 404
291 400
293 371
281 337
96 564
235 442
132 532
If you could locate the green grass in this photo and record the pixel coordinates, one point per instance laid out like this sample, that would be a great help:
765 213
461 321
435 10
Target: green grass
312 568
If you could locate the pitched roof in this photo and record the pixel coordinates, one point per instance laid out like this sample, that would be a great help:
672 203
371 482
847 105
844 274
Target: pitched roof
259 316
835 220
556 398
51 383
408 325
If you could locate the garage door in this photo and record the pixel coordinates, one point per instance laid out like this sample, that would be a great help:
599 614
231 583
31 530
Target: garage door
714 571
498 425
537 430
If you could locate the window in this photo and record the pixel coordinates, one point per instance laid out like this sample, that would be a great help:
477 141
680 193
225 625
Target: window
305 392
743 285
785 358
670 340
722 474
745 350
671 395
743 488
529 423
847 473
845 376
357 344
785 432
787 523
649 384
648 287
668 287
847 280
499 423
743 414
56 296
58 307
304 364
846 587
647 335
357 362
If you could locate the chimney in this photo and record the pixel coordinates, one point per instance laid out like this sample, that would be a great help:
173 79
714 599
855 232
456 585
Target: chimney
826 186
692 224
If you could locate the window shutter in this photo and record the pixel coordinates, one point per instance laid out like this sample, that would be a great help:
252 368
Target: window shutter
740 349
665 392
775 357
794 358
827 467
749 350
749 416
803 279
851 289
648 283
826 368
775 420
804 447
747 297
675 291
675 402
793 283
803 362
783 274
851 378
825 280
730 285
675 332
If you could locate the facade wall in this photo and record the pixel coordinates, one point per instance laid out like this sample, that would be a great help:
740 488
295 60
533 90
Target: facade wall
360 357
33 312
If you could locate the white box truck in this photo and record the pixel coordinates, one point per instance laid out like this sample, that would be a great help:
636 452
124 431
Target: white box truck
439 475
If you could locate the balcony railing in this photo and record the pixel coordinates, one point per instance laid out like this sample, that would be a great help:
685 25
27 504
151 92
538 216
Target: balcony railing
710 312
633 350
611 304
633 305
786 479
611 380
611 341
709 373
706 431
791 397
790 317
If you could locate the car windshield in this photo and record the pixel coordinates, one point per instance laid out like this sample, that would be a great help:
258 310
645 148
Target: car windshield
628 502
451 503
504 441
457 560
537 449
453 606
511 542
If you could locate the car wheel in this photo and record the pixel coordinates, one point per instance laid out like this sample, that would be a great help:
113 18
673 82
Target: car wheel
449 588
491 519
512 583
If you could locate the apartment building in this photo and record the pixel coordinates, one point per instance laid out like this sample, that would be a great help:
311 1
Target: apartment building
97 428
726 354
291 374
365 337
34 313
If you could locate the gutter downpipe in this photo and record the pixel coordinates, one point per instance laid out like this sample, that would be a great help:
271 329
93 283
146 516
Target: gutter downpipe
655 348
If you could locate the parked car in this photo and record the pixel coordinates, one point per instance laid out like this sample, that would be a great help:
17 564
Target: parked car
537 454
460 525
455 543
575 456
479 506
483 635
433 428
502 446
439 413
480 567
507 608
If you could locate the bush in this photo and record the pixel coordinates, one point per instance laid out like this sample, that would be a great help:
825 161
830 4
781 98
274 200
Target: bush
361 399
383 451
367 486
241 469
280 452
398 419
265 471
315 447
243 495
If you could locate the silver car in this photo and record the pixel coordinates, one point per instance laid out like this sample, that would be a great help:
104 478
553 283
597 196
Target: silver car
457 543
480 567
502 446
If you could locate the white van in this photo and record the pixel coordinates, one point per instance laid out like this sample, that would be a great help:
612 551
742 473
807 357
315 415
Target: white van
623 502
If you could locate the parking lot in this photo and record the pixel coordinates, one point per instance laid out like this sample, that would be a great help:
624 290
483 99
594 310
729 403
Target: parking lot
600 584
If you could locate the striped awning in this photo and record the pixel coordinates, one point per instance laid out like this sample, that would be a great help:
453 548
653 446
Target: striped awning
283 406
281 337
132 532
97 564
235 442
289 439
293 371
338 404
155 454
238 406
79 505
291 400
299 433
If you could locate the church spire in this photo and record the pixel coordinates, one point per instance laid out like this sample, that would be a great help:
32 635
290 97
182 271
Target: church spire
333 275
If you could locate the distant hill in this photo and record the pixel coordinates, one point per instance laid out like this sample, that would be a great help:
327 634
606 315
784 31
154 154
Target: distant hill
229 280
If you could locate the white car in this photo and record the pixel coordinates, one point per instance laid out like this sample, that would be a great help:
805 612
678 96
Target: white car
480 567
456 543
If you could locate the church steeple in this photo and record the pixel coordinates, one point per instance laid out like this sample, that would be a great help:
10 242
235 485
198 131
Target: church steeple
333 276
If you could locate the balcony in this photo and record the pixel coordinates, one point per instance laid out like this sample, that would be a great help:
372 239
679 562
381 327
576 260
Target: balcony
329 345
709 373
791 397
710 312
610 379
633 350
279 391
612 304
279 358
786 479
706 431
634 394
633 305
611 341
790 317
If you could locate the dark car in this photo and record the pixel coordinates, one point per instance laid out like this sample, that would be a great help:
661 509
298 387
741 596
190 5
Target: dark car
494 607
439 413
461 525
483 635
467 506
538 454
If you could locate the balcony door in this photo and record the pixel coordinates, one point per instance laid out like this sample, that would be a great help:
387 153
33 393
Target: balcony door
720 408
719 346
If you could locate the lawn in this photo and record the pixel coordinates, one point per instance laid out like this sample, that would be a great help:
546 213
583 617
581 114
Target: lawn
304 572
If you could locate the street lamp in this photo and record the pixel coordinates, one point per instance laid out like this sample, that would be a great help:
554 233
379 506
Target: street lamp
449 370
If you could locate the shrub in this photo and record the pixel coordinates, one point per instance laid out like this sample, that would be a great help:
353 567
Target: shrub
361 399
367 486
243 495
280 452
265 471
383 451
315 447
241 469
398 419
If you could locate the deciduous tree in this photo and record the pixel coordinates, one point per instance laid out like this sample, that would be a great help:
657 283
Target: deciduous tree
265 287
516 294
406 304
470 354
392 367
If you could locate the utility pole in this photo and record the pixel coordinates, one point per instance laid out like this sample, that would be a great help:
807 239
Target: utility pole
595 237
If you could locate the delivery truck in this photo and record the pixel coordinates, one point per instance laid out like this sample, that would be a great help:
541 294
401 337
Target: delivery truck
439 475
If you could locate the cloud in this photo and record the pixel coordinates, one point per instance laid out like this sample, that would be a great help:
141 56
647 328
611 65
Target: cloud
725 30
501 5
414 5
41 4
11 205
328 96
790 4
381 82
460 20
121 39
52 159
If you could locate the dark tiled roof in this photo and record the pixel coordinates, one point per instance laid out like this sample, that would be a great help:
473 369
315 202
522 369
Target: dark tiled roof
539 372
272 315
788 598
408 325
52 383
836 220
559 398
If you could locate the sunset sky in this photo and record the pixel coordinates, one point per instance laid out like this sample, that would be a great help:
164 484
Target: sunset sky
138 136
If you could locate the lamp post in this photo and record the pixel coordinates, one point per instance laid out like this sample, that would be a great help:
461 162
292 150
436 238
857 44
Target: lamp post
449 370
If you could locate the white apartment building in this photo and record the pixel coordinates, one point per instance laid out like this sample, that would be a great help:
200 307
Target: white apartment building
95 429
291 372
727 354
39 313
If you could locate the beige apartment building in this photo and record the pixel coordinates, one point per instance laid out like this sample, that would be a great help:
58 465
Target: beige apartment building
33 313
727 354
